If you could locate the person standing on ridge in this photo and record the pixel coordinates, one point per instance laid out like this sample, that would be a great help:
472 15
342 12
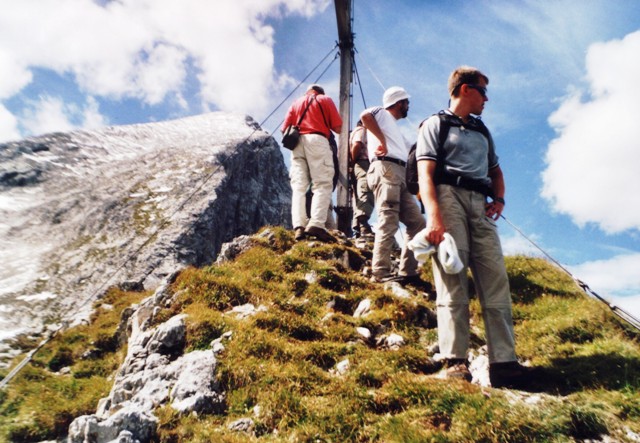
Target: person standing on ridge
388 151
458 169
312 162
362 195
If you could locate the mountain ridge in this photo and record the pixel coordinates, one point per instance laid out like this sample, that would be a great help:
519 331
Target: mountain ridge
126 205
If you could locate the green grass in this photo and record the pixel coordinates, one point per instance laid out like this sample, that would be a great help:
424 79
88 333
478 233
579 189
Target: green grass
40 403
277 367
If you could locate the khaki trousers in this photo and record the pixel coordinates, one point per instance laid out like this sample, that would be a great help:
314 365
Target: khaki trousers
394 204
362 197
478 244
311 164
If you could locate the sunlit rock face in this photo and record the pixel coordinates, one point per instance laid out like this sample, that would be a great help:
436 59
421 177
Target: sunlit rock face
85 210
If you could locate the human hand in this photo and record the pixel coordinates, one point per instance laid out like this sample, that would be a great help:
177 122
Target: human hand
381 150
494 209
435 231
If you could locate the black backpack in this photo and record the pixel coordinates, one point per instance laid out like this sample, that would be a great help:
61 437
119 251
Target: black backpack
412 171
446 122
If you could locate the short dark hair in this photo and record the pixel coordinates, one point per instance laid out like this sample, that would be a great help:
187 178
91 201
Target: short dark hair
464 75
319 89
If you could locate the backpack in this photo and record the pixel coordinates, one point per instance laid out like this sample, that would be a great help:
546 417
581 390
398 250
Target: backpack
412 171
447 121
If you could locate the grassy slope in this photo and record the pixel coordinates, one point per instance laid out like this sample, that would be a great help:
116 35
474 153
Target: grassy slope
277 367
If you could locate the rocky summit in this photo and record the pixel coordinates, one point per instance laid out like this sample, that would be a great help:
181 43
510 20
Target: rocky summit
126 205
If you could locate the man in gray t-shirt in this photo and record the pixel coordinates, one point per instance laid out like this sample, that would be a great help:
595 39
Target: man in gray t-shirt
456 175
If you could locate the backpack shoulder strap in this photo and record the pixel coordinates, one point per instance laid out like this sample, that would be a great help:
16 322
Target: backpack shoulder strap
306 109
478 125
324 118
446 122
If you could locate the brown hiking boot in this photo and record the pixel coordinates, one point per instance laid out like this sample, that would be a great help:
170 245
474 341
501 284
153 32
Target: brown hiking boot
300 235
416 282
320 234
511 374
383 279
365 229
457 369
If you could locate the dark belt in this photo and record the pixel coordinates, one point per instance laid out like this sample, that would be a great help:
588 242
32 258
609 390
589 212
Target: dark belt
392 160
319 133
466 183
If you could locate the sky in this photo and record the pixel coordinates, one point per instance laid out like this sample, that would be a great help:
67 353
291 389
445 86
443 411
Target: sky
563 91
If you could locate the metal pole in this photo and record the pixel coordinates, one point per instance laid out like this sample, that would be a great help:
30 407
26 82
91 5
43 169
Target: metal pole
343 209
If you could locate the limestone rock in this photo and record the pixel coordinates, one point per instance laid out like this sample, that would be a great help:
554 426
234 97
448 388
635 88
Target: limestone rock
156 372
127 205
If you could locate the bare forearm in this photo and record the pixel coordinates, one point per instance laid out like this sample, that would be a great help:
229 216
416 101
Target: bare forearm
356 149
495 208
428 194
370 123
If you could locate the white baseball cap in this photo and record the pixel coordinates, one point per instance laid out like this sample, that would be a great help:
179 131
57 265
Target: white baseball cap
393 95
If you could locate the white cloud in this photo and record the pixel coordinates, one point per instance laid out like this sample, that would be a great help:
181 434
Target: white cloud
544 34
164 71
592 164
518 245
91 116
143 49
50 114
616 280
631 304
618 275
46 115
13 75
8 125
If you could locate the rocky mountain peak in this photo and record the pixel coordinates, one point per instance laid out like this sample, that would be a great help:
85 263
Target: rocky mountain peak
84 210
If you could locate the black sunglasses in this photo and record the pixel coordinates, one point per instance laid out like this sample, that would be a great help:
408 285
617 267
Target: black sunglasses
482 90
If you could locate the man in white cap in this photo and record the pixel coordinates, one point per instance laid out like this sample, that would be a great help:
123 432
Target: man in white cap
312 162
388 152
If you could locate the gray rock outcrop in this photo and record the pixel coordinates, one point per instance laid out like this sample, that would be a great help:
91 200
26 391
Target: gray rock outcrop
155 372
86 210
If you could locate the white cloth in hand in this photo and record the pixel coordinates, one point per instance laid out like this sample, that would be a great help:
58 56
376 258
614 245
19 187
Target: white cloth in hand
447 251
421 248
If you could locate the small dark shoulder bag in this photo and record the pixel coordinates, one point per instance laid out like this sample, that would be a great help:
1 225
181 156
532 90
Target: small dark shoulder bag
291 135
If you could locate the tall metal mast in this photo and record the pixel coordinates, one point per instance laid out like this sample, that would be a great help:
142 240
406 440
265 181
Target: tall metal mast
345 42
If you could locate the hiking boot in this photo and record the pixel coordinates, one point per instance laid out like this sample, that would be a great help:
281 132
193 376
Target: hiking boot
300 235
384 279
510 375
365 229
320 234
457 369
416 282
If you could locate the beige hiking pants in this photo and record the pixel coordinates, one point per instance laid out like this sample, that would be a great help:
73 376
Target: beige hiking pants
478 244
394 204
362 197
311 163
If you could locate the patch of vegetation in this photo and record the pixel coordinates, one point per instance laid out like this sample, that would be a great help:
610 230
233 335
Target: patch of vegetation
532 278
279 367
67 377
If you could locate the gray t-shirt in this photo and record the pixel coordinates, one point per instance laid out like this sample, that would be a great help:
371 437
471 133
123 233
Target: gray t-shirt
468 153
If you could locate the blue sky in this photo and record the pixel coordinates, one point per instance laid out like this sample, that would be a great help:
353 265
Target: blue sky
562 94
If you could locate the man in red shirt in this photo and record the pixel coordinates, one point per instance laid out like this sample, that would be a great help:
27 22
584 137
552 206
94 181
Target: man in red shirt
312 161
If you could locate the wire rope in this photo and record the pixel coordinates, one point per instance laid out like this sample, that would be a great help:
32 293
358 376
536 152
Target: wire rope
621 313
298 85
315 81
355 70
